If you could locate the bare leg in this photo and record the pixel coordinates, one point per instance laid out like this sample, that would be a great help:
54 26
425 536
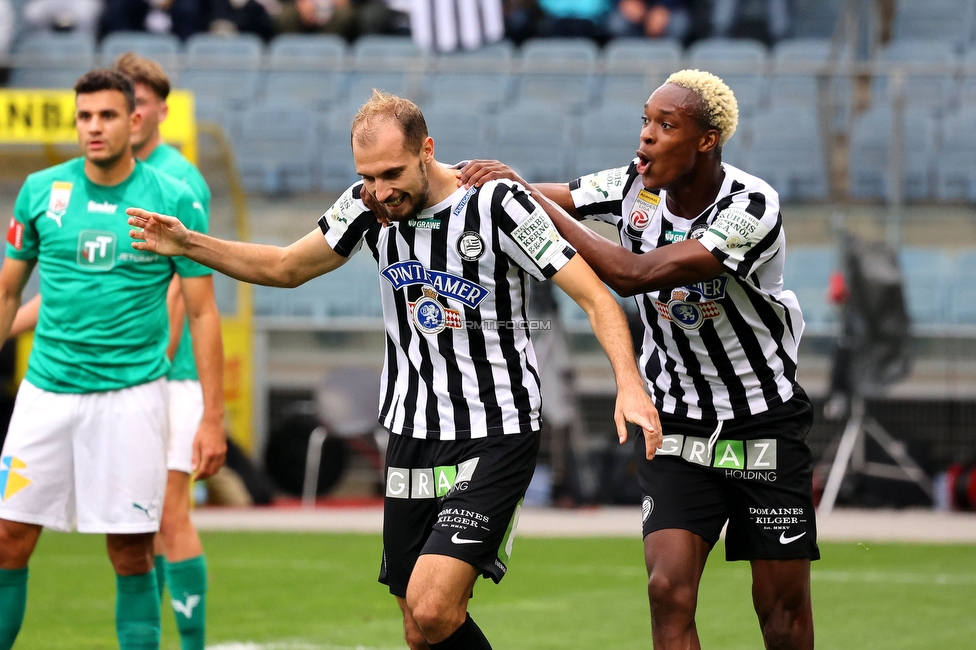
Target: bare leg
130 554
411 631
178 538
17 543
437 595
781 595
675 560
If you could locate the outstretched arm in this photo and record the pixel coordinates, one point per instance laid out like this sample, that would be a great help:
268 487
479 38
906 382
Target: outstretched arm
478 172
209 444
274 266
625 272
610 326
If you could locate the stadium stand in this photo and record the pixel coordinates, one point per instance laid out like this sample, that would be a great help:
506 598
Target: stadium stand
557 73
306 69
926 277
955 166
806 273
336 169
224 69
478 79
276 148
52 59
459 133
949 21
528 136
962 289
164 49
740 63
635 67
604 138
870 150
929 69
773 153
379 62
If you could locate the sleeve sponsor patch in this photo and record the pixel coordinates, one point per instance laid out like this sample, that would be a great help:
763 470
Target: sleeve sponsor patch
15 234
735 229
605 184
342 212
538 238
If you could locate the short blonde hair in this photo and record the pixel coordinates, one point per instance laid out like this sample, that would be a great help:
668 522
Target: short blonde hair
721 110
385 107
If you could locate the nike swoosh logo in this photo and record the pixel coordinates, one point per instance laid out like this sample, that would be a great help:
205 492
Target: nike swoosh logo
783 539
458 540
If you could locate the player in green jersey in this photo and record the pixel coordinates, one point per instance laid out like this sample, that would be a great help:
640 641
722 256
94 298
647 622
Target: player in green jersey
86 447
179 553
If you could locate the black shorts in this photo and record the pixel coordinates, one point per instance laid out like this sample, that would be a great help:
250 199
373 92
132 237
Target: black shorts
758 476
456 498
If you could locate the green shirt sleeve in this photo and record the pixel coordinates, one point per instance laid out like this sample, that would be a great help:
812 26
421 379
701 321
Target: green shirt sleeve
190 212
22 240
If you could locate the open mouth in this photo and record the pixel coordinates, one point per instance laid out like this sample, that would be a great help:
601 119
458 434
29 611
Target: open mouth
396 203
643 162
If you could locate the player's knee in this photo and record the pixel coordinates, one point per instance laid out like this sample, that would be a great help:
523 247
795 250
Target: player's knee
787 624
414 637
664 591
131 554
435 617
16 545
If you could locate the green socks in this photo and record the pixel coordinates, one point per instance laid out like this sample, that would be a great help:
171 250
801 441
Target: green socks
137 620
161 575
13 602
188 590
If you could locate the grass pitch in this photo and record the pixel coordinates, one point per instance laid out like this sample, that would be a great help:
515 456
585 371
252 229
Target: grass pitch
319 592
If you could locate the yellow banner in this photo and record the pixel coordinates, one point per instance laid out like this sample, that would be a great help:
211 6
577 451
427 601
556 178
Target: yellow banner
48 117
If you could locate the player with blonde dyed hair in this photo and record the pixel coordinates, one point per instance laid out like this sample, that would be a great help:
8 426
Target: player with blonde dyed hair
702 251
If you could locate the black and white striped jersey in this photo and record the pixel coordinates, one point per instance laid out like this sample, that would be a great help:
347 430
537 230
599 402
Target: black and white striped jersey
459 363
726 347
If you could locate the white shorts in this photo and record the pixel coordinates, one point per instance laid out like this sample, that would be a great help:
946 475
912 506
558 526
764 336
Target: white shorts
91 461
185 413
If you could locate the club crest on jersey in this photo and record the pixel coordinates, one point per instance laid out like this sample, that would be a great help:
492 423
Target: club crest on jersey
696 232
410 272
430 316
644 208
470 246
58 203
686 314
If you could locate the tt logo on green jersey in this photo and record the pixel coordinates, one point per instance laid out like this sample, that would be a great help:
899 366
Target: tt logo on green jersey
96 249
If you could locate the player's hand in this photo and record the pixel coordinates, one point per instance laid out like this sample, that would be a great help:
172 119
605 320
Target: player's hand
478 172
159 233
209 450
373 205
635 406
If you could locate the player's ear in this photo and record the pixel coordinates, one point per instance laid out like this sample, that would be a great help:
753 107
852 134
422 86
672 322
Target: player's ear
135 120
708 141
427 150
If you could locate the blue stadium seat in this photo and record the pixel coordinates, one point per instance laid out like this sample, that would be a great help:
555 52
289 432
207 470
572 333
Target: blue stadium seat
635 67
868 175
815 18
336 168
962 288
923 87
380 62
306 69
608 137
788 153
966 93
806 273
472 79
52 60
164 49
955 164
950 21
530 139
209 109
458 133
224 68
275 149
739 62
557 73
926 278
736 150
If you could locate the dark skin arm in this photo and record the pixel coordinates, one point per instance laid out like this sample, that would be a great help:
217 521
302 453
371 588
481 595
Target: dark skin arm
625 272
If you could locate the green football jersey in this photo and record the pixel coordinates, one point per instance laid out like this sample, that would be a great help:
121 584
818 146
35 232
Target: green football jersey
171 161
103 323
